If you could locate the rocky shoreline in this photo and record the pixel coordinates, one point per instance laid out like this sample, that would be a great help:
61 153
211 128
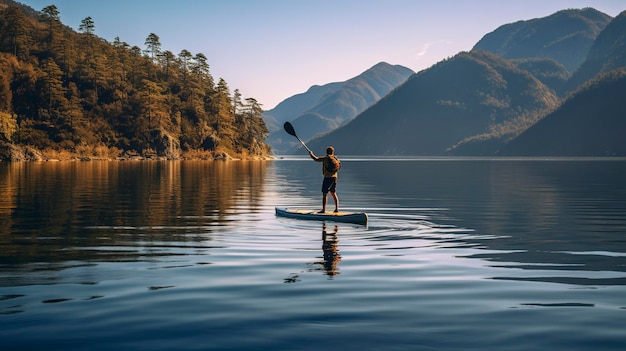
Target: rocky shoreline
14 153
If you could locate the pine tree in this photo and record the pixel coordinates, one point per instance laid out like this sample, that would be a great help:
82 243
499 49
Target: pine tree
51 15
16 29
87 27
153 46
53 90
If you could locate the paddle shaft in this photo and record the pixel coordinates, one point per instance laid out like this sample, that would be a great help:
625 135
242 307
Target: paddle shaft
303 144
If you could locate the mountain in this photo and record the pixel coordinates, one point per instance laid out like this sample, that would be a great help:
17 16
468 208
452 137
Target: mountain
297 104
608 52
591 122
335 104
470 94
478 103
565 36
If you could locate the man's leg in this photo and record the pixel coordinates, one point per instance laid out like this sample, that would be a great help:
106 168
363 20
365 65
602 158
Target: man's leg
324 200
334 195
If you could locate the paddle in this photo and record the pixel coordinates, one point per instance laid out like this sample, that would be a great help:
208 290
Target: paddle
289 129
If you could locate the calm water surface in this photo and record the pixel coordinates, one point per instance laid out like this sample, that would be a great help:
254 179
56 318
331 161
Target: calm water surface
459 254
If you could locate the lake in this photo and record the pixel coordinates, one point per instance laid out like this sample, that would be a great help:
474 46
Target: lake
458 254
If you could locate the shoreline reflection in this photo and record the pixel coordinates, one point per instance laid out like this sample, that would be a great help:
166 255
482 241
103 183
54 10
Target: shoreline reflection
107 211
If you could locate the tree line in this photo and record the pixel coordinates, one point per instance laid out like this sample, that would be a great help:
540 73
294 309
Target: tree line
66 90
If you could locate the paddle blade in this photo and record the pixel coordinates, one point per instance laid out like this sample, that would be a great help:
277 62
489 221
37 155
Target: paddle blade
289 129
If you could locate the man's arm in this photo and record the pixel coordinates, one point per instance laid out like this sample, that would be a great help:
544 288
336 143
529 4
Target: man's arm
313 156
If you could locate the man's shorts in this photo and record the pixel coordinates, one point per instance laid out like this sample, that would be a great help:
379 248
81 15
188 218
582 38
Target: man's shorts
329 185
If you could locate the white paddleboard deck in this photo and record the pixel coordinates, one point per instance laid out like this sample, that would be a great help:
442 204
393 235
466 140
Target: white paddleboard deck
346 217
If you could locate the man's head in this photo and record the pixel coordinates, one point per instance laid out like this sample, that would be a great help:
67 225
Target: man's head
330 150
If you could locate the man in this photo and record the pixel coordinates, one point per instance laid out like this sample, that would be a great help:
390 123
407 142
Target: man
330 166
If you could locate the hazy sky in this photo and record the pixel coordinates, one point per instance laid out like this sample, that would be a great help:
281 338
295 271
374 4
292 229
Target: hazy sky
273 49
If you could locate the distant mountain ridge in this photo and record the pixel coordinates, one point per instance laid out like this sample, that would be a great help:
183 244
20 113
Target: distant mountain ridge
607 53
324 108
565 36
478 103
295 105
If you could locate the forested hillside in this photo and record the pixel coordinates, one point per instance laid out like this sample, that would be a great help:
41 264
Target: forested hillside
72 94
592 122
550 72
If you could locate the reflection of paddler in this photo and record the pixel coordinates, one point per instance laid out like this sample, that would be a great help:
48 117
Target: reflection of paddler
330 249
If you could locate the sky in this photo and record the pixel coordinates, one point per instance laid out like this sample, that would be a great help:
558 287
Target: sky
273 49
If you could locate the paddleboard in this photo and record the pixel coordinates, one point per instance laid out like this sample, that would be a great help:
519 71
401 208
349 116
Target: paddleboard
346 217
